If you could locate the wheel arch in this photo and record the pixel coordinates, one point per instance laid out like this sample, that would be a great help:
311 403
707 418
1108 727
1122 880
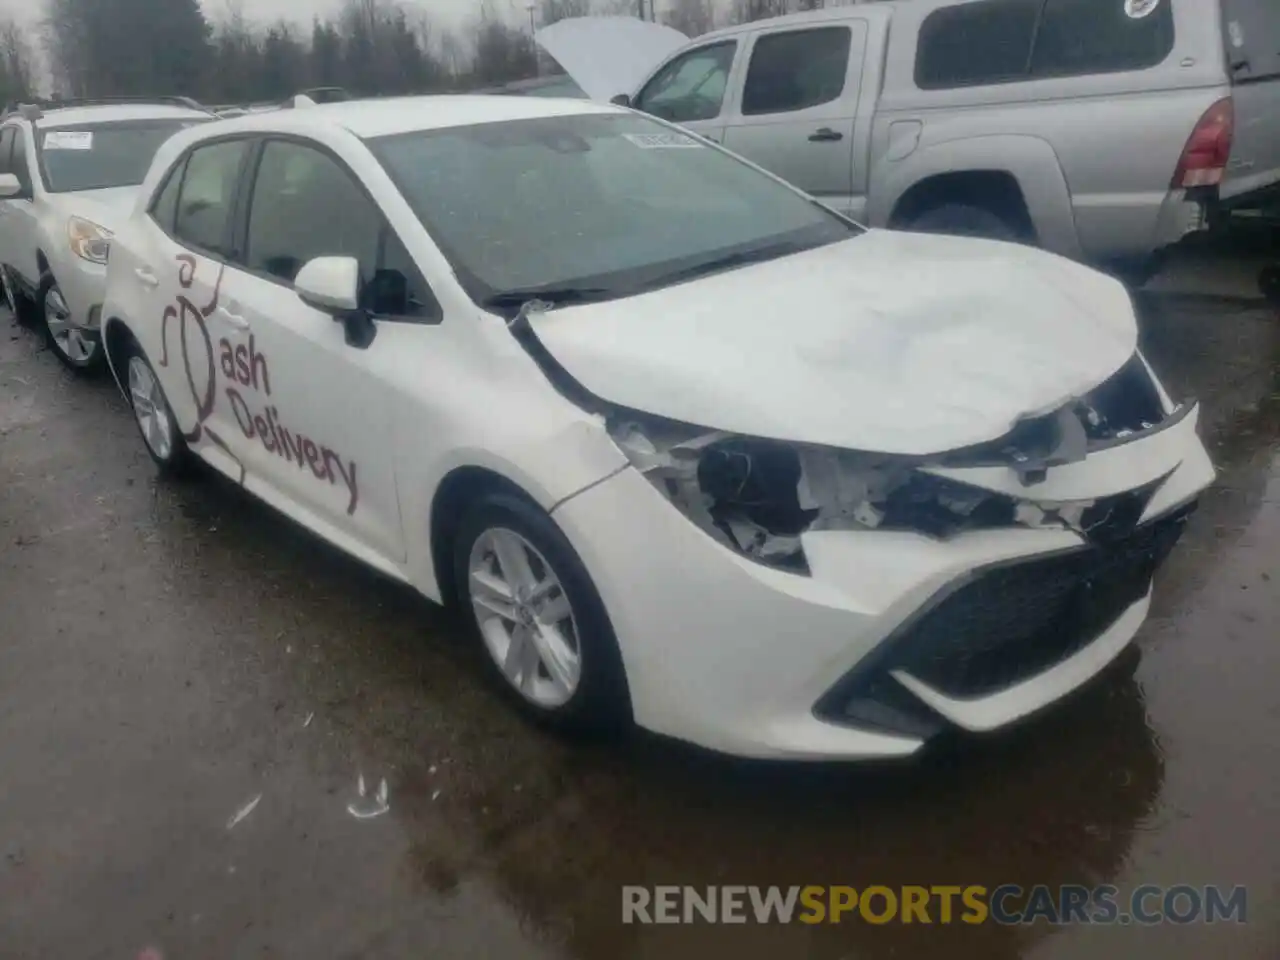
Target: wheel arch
116 338
1028 162
457 491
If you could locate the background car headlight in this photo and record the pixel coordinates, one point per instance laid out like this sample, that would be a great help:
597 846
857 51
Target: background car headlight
88 240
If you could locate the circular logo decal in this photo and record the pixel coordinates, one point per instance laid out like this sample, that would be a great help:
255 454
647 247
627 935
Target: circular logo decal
1137 9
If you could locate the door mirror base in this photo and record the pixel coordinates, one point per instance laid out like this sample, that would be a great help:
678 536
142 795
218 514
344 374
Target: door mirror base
621 100
332 285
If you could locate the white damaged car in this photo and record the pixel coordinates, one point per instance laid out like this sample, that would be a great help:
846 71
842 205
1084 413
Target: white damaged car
692 450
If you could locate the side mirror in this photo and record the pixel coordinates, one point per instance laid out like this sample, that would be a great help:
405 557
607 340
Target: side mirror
10 187
331 284
621 100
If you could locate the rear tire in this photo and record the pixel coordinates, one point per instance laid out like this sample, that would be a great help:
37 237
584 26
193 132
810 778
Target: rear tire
80 353
965 220
153 416
531 602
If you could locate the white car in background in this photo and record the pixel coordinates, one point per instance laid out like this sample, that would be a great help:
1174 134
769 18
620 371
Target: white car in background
68 172
691 449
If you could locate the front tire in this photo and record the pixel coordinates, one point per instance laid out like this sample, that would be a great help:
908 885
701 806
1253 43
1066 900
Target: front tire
541 623
154 417
78 352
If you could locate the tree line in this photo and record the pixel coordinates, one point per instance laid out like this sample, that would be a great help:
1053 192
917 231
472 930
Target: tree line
370 47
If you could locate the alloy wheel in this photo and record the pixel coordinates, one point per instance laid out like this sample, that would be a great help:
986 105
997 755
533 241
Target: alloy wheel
525 618
150 409
68 339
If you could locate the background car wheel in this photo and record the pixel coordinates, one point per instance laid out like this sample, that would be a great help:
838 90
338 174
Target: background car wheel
154 417
963 220
76 350
541 623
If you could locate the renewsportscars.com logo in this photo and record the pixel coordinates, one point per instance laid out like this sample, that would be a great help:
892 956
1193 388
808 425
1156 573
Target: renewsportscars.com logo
1008 904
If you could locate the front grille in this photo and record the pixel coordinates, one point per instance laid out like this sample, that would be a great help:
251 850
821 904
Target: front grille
1011 622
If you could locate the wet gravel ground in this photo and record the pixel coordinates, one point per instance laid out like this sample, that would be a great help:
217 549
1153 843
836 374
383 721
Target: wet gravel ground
169 653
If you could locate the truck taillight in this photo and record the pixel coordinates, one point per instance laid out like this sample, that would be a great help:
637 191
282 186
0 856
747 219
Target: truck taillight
1204 159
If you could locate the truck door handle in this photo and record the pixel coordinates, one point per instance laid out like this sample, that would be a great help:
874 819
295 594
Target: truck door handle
825 135
237 321
147 278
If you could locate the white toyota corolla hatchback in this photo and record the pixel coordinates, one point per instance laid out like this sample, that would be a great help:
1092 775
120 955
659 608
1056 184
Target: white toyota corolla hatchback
691 449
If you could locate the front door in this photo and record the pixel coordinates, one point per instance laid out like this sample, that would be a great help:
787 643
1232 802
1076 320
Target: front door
798 106
693 89
312 412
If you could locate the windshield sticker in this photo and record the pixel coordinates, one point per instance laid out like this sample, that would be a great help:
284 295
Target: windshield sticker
68 140
1137 9
659 141
246 370
1236 33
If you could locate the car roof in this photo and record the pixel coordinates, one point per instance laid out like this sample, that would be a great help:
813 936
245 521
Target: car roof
392 115
116 112
863 10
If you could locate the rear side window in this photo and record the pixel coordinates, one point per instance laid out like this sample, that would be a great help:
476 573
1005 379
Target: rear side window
6 148
975 43
1102 36
1005 41
1253 39
164 209
796 70
207 194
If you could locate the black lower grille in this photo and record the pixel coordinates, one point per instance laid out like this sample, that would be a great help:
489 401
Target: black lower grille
1011 622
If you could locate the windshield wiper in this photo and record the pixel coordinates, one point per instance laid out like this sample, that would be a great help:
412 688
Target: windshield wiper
552 296
731 260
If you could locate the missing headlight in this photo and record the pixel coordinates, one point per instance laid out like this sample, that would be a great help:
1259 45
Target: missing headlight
758 497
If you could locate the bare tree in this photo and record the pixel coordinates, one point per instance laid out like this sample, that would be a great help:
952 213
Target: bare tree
745 11
690 17
17 64
552 10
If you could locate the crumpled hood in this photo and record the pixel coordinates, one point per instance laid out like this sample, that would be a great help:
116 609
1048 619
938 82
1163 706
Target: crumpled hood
108 208
889 342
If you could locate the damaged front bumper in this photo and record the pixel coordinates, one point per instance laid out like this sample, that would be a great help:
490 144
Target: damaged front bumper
886 635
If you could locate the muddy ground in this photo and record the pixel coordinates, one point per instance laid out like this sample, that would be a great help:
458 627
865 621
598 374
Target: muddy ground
162 648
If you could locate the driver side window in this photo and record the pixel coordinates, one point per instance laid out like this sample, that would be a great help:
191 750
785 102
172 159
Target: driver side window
692 86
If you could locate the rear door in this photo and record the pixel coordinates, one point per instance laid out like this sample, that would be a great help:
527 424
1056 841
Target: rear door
799 101
1252 30
693 88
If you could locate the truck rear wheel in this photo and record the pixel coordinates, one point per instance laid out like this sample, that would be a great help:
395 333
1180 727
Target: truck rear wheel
965 220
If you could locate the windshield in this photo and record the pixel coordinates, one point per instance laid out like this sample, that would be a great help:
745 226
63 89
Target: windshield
617 203
95 156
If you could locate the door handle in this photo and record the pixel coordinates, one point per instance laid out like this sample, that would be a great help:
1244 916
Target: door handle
147 278
237 321
825 135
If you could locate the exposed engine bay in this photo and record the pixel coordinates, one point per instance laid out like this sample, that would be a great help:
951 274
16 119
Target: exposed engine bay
758 496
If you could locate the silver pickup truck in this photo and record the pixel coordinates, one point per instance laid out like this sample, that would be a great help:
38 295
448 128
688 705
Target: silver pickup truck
1103 130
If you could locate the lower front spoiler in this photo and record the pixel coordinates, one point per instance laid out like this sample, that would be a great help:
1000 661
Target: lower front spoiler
1007 640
